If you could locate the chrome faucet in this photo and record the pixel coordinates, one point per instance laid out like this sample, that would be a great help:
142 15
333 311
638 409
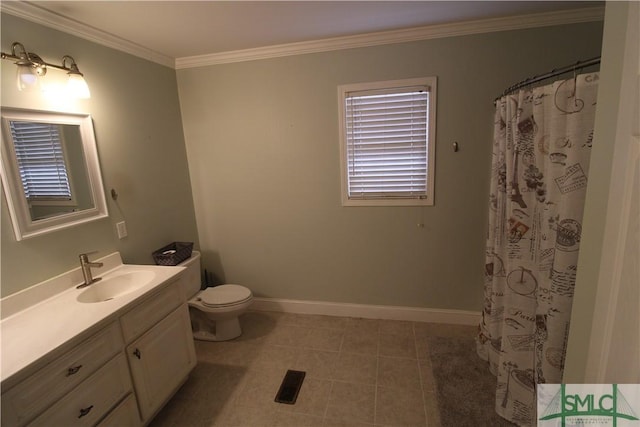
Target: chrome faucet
85 265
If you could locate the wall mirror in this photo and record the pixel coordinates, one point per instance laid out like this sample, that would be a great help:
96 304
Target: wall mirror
50 171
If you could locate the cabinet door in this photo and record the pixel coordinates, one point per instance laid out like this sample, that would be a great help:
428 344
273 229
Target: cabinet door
160 360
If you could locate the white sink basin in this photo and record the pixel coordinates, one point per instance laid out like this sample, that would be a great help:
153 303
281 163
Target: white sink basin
116 285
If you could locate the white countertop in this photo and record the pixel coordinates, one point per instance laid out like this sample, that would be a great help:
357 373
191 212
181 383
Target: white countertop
30 334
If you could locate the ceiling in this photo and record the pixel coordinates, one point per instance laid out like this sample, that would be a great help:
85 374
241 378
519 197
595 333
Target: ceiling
180 29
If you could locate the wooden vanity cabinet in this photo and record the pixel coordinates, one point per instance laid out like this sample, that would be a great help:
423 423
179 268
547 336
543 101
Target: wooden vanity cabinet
106 380
161 353
62 376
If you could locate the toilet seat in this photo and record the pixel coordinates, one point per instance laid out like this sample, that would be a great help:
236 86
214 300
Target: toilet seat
224 296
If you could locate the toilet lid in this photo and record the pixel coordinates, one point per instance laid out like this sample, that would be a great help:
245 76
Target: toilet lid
224 295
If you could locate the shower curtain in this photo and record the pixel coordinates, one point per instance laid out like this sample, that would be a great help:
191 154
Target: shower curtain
542 143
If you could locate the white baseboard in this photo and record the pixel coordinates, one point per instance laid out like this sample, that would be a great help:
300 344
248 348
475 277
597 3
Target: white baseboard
387 312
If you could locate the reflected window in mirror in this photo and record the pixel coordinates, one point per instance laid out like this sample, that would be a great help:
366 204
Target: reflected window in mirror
50 171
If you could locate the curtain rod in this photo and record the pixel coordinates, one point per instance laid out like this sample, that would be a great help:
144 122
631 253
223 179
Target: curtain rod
553 73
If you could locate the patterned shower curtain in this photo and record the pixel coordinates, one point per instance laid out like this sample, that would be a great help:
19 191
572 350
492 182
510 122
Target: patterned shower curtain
542 144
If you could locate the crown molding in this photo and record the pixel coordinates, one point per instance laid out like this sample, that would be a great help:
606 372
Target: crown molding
36 14
546 19
44 17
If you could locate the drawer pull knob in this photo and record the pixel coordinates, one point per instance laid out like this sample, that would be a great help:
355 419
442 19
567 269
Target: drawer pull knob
85 411
73 370
136 353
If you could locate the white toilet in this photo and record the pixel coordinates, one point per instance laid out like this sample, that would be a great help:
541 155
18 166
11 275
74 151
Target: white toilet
214 311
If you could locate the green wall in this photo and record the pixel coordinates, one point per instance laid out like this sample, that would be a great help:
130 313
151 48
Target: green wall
263 152
261 142
136 116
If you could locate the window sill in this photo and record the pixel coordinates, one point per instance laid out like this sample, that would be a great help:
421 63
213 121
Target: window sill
387 202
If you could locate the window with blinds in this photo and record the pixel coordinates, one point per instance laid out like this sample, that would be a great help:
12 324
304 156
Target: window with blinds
41 163
387 143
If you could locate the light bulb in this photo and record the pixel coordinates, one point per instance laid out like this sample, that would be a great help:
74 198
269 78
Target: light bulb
26 77
77 86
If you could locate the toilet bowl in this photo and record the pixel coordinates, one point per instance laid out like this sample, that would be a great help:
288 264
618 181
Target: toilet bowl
214 311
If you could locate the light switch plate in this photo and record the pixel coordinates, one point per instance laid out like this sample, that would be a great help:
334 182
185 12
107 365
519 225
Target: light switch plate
122 230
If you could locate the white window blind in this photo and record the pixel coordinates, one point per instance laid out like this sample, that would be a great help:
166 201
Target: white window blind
386 134
40 157
387 142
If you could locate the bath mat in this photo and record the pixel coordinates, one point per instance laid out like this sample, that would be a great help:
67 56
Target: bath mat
290 387
464 386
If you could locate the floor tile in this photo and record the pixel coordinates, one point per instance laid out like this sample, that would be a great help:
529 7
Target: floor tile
397 327
238 353
356 368
170 414
203 412
399 373
431 408
292 419
426 375
275 357
291 319
351 402
422 347
359 373
323 339
312 398
397 346
316 363
229 378
250 416
329 422
289 335
356 341
320 321
257 325
260 389
399 407
364 326
195 384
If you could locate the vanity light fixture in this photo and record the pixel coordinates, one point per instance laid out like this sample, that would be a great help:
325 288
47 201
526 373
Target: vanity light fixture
31 67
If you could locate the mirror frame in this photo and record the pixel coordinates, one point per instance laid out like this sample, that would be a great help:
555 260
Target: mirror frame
23 225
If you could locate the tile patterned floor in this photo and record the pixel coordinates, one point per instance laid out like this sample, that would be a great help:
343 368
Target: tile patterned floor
359 372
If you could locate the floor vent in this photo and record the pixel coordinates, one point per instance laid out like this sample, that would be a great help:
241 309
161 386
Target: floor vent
290 387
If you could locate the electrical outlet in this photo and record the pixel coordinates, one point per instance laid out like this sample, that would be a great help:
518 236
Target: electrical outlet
122 230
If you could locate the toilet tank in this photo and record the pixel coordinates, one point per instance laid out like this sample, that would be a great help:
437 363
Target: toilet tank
192 278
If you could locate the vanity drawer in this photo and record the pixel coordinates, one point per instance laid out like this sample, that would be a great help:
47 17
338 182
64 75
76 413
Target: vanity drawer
27 399
151 311
91 400
124 415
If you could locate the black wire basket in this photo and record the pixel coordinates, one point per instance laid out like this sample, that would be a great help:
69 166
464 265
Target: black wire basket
173 254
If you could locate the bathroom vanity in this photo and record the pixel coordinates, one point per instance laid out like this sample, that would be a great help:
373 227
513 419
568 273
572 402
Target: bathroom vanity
111 354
